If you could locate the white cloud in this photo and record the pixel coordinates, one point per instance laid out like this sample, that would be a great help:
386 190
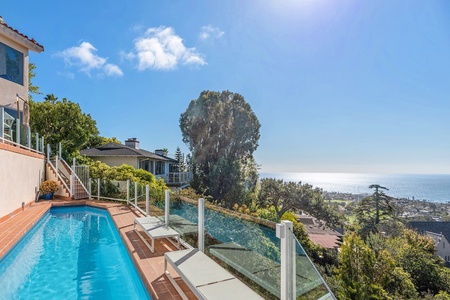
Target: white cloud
161 49
87 60
210 32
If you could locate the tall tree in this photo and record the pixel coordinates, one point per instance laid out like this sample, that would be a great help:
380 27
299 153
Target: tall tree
221 131
63 121
179 156
374 209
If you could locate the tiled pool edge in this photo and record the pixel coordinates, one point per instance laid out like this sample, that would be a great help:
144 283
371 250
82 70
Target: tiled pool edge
13 229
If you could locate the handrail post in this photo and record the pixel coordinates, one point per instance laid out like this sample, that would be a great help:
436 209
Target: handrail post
98 188
48 152
71 187
18 129
42 144
167 207
2 122
90 188
29 137
128 191
287 248
147 198
201 224
135 193
60 150
37 141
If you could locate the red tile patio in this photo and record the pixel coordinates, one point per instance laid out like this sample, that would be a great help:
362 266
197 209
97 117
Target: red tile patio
149 265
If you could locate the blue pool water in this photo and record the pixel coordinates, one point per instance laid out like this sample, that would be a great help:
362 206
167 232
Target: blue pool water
72 253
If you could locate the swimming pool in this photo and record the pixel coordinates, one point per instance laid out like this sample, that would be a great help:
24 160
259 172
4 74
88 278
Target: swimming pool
72 253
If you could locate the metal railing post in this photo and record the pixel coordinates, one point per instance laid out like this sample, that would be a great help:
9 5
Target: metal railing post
147 198
37 142
90 188
287 248
60 150
48 152
98 188
42 144
167 207
201 224
128 191
2 122
71 188
18 130
29 137
135 193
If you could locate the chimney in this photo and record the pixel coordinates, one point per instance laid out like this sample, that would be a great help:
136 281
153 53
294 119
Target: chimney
132 142
159 152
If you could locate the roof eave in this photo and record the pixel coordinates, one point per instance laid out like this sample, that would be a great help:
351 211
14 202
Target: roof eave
21 39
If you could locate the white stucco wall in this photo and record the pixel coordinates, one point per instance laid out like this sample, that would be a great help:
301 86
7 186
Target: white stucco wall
443 248
20 177
8 88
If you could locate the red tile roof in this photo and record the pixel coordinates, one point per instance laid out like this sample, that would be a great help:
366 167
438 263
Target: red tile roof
325 240
3 23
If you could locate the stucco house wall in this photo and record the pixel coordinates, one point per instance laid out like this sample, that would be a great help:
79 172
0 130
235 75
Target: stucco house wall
443 248
21 173
8 88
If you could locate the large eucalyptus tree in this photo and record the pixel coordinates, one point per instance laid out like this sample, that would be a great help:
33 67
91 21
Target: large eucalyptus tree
222 133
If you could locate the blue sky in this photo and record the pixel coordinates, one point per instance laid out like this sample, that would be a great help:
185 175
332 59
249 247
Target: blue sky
338 86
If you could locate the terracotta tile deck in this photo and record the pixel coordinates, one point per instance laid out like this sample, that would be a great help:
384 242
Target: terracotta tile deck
149 265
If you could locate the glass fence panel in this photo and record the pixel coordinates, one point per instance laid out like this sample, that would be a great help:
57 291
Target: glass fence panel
309 283
248 250
185 222
113 189
9 127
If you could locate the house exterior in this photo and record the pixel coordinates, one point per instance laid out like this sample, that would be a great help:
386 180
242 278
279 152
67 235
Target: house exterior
21 169
14 48
161 166
439 232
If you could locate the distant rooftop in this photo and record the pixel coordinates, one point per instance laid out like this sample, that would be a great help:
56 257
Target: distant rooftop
114 149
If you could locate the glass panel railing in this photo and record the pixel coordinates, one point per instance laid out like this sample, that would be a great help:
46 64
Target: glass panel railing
309 282
185 221
9 127
248 250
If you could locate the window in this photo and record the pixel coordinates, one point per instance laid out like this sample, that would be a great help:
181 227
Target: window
160 168
11 64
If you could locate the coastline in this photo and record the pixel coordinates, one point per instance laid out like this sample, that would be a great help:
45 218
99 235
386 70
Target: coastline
422 187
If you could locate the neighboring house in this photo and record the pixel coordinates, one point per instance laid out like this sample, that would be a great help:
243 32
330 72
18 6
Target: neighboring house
21 168
319 233
439 232
161 166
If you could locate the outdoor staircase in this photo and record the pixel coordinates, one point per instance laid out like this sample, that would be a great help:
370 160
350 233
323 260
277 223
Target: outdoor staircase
68 179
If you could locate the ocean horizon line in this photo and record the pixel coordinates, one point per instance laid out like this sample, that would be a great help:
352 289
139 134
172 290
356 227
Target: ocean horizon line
429 187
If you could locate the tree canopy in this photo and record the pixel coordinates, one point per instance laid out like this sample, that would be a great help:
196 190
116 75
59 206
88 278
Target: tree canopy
63 121
222 133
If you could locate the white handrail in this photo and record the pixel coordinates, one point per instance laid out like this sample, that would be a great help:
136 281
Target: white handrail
59 176
6 141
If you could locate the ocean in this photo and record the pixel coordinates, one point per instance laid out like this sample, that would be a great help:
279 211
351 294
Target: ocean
429 187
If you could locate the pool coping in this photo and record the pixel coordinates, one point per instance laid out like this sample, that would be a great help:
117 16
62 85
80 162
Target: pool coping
150 266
